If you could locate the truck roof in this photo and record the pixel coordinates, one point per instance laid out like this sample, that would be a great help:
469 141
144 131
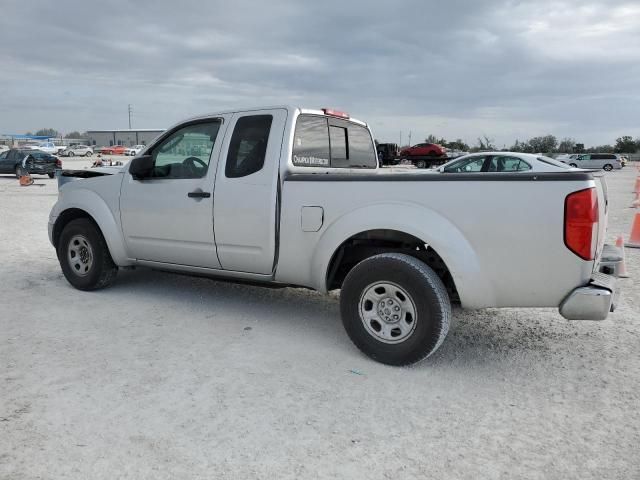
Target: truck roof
290 109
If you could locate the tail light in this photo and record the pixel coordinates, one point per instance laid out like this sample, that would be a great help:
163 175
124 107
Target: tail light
581 223
58 163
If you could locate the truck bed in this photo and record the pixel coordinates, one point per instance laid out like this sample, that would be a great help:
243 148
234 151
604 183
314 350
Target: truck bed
501 234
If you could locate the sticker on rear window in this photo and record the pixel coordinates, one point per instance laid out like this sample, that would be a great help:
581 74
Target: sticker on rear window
310 161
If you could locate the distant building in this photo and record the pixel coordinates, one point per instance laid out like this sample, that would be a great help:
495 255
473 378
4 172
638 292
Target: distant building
126 137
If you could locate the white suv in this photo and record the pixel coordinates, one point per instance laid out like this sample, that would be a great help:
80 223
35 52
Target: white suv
606 161
78 151
135 150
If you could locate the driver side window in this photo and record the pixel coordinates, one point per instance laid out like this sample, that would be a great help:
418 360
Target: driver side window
186 153
468 165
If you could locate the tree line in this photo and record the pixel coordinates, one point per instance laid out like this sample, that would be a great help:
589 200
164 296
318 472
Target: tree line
53 133
542 144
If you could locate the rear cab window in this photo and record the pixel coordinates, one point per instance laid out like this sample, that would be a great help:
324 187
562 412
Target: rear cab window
322 141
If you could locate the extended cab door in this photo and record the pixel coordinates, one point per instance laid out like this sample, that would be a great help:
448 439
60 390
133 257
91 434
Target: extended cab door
168 215
245 203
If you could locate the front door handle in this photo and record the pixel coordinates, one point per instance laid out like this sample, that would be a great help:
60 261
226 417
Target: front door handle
198 194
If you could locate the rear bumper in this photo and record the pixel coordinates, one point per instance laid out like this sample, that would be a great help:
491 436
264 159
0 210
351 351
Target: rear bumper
41 169
595 300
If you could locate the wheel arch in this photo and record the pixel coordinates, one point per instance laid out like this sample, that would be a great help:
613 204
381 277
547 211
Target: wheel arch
87 204
422 232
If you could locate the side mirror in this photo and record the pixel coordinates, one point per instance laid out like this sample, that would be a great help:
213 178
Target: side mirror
141 167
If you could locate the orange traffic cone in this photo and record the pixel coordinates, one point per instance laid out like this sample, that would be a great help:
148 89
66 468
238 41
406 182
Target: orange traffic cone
26 180
622 269
634 238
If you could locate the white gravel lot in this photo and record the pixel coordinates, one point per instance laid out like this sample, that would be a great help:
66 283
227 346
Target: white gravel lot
165 376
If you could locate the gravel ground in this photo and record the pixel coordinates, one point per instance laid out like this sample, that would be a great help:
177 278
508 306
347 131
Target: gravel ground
166 376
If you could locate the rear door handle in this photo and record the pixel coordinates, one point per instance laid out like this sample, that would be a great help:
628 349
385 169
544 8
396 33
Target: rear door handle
198 194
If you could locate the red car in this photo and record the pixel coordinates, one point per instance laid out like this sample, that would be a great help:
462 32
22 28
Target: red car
423 150
113 150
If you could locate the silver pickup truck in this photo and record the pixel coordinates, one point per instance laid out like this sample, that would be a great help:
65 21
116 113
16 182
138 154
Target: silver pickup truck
294 197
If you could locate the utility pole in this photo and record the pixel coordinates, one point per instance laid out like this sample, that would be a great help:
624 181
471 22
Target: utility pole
400 138
409 137
129 109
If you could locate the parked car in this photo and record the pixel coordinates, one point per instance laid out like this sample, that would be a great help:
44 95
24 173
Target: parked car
423 155
135 150
606 161
48 147
20 161
113 150
423 149
502 162
78 151
321 214
3 148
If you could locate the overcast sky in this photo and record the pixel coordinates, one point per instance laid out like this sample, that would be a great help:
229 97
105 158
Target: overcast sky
506 69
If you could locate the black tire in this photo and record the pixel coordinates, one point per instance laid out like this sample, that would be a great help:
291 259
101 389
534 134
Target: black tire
51 175
102 270
573 165
428 297
608 167
421 164
88 154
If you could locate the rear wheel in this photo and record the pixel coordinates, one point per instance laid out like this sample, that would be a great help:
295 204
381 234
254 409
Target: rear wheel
608 167
84 257
395 308
421 164
573 165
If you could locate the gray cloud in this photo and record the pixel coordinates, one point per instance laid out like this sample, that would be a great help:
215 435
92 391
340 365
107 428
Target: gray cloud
508 69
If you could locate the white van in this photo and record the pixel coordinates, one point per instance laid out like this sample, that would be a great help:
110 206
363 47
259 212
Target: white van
606 161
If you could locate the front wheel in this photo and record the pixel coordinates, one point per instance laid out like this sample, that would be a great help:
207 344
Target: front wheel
395 308
608 167
84 257
88 154
421 164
